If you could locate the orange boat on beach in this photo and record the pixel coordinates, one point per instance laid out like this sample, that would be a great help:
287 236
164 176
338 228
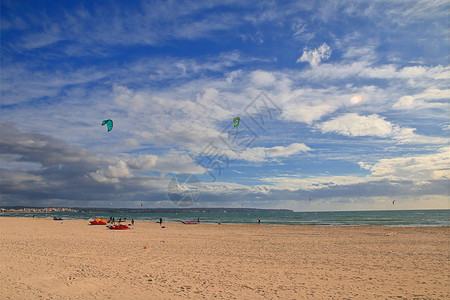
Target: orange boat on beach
99 221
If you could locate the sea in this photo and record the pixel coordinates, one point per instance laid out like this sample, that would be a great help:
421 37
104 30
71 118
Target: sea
269 217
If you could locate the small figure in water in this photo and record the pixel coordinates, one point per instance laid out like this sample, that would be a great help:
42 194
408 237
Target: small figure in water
198 220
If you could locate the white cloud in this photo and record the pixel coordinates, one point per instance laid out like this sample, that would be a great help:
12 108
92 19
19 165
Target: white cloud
22 179
171 163
306 113
354 125
234 76
143 162
129 100
262 78
260 154
311 104
420 168
301 32
278 151
316 56
255 38
406 102
445 127
132 143
23 83
112 173
294 183
422 100
169 118
408 136
128 168
354 53
100 28
364 165
366 68
402 14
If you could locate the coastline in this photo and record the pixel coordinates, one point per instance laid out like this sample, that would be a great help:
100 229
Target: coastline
339 218
72 260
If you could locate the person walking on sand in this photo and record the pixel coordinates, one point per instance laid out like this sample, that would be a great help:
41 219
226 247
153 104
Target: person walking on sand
160 221
132 222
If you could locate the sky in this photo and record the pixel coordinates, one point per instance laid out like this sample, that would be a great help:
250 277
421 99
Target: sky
345 103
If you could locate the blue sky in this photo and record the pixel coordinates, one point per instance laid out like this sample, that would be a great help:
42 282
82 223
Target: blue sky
343 102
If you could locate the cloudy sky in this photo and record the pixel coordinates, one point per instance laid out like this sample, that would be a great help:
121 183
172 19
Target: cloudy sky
345 103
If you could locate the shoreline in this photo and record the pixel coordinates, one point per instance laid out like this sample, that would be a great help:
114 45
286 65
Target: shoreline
179 223
70 259
233 223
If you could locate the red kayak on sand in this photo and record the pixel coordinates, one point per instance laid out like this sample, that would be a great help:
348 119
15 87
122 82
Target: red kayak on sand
119 227
189 222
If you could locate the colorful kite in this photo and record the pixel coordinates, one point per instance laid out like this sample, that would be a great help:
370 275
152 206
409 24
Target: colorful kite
236 121
109 124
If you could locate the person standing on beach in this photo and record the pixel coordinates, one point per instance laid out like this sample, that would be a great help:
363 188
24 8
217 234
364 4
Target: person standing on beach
259 222
198 220
160 221
132 222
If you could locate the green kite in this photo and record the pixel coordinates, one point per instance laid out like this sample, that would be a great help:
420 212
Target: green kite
236 121
109 124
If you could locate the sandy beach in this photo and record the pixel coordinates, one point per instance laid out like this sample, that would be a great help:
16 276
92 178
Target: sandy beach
47 259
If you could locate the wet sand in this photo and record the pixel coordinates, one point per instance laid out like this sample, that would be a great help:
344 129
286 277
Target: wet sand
43 258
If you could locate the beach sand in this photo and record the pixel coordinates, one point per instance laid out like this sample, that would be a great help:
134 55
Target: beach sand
43 258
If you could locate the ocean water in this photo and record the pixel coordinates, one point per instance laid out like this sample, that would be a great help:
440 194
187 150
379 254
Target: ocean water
374 218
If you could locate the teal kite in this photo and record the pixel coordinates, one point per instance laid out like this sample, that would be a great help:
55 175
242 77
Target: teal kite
236 121
109 124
